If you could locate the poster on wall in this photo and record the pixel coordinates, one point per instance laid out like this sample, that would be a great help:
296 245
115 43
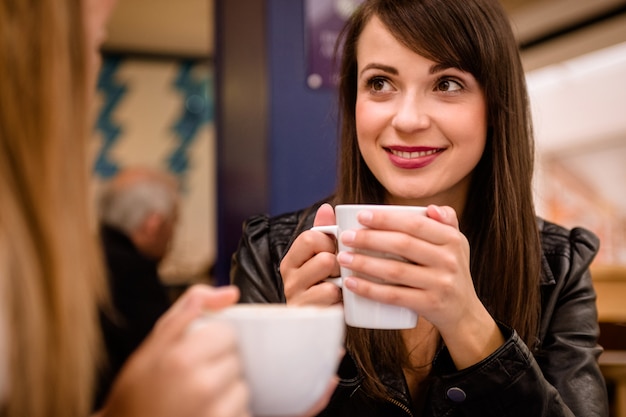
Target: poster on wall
324 20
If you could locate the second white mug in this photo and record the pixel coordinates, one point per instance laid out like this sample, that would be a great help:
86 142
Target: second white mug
289 353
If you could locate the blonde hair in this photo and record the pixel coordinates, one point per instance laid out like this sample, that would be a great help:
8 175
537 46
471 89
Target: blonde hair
49 258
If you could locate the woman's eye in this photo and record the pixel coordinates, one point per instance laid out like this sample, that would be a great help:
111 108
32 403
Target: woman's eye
448 85
378 85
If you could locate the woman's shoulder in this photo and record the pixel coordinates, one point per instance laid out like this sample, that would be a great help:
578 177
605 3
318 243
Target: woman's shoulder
566 251
283 225
556 238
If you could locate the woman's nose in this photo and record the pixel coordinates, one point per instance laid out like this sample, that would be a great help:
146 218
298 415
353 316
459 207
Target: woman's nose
411 115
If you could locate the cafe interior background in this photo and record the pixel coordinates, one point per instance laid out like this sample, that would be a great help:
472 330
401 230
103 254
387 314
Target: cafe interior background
235 97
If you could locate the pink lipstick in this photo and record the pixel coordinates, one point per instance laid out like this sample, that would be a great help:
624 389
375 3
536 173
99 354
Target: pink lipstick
412 157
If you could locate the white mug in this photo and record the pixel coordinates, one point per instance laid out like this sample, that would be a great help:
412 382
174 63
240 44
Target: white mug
289 353
360 311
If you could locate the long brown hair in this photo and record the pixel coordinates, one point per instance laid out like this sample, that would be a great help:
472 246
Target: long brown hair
50 270
500 224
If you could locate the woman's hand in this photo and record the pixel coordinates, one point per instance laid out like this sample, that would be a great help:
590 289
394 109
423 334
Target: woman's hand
183 371
435 281
310 260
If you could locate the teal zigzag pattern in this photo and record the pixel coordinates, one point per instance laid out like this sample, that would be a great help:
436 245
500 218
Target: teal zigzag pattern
113 92
197 110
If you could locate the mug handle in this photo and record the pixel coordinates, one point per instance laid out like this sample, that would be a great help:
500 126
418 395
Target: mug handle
329 230
335 280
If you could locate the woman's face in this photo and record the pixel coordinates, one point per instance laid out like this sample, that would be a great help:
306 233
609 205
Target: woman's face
421 127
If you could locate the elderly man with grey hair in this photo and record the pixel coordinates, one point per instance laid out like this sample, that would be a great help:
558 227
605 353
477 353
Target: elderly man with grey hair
138 211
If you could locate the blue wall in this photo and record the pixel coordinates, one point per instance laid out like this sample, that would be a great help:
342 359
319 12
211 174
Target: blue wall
302 122
276 137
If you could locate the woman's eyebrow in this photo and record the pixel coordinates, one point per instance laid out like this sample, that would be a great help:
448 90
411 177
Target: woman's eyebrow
381 67
435 68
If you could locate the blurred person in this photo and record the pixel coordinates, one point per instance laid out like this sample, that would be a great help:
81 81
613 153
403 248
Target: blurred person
51 274
138 212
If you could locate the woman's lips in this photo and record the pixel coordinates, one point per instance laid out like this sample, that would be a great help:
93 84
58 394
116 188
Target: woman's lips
412 157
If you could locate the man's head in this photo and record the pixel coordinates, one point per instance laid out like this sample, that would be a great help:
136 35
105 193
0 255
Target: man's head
143 203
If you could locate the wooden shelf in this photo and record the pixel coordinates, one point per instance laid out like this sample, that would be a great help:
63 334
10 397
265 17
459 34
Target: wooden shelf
610 284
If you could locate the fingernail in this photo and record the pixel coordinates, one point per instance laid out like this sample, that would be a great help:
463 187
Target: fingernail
350 283
345 258
365 216
348 236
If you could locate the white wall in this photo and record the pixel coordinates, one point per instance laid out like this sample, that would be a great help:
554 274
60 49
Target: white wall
579 112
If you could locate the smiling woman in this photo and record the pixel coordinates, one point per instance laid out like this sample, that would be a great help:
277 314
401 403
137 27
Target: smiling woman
434 112
414 115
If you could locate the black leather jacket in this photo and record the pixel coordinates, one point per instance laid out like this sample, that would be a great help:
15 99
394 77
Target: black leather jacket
560 378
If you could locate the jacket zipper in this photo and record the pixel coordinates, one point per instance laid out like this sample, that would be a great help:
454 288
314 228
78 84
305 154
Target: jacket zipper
400 406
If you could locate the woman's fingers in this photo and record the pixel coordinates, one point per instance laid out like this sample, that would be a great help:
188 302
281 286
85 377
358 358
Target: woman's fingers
443 214
424 258
310 260
309 243
389 271
193 303
325 215
185 367
233 402
321 294
435 230
390 246
415 238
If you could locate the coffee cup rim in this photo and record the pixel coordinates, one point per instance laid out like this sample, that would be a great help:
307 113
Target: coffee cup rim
261 311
